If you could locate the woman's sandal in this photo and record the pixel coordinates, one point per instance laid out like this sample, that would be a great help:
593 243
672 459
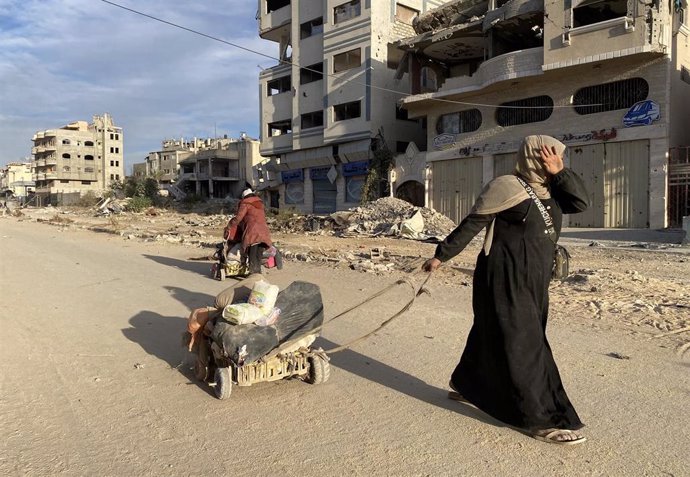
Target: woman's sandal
551 436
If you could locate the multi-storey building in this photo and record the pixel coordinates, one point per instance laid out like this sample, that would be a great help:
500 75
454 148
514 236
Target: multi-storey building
211 168
77 158
16 180
333 97
609 78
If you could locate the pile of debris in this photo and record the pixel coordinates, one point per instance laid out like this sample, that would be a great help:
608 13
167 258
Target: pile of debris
387 216
391 216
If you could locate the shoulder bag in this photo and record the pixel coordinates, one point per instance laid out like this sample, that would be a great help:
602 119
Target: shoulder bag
561 257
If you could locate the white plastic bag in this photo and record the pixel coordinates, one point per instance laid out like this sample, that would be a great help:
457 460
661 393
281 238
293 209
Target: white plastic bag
242 313
264 296
269 319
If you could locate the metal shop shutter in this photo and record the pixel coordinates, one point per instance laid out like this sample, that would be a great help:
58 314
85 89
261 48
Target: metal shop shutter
455 185
324 196
504 164
617 178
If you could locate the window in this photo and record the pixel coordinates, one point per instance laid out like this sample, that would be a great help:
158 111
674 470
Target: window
85 183
117 150
273 5
347 11
345 61
314 27
595 11
88 158
311 73
401 146
66 142
64 181
112 177
66 156
312 120
523 111
88 169
279 128
345 111
279 85
117 177
353 188
112 136
405 14
428 79
65 168
117 163
117 137
610 96
294 192
460 122
88 143
112 150
112 163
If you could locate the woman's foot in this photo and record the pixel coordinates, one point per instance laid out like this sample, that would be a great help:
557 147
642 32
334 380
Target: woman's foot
564 437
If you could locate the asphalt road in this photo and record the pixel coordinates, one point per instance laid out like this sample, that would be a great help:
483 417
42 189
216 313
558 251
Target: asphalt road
94 380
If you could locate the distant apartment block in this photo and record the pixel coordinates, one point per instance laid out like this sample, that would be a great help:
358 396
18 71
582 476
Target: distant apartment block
333 98
16 181
77 158
609 78
210 168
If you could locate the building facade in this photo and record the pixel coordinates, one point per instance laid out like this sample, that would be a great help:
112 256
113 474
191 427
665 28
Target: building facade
333 98
77 158
609 78
209 168
16 180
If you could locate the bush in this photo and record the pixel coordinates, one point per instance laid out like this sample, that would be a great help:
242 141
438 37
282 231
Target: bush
88 200
137 204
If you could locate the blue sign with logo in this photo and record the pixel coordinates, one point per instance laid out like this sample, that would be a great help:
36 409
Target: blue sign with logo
359 168
642 113
295 175
319 173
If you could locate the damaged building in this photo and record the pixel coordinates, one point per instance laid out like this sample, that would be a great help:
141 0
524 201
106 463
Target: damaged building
75 159
332 100
208 167
609 78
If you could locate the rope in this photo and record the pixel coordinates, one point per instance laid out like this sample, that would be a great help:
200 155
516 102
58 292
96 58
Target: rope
408 305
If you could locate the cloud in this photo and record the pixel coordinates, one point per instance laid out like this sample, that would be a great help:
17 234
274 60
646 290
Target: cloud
67 60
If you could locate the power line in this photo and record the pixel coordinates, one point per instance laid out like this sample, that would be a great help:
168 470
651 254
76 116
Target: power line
290 63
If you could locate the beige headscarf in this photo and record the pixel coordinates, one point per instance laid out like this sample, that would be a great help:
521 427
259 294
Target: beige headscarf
505 192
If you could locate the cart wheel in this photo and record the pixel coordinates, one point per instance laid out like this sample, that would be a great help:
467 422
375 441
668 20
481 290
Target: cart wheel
319 370
221 273
200 371
223 386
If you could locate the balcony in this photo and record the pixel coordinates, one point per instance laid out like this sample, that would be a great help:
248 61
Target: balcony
50 161
516 64
276 144
50 175
275 18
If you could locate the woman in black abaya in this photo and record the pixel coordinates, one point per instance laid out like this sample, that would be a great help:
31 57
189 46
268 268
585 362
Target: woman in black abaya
507 369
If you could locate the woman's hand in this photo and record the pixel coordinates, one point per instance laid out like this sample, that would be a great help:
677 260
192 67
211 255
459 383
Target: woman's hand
431 265
553 163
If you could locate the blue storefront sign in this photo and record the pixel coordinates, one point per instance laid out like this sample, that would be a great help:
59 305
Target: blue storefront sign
319 173
295 175
359 168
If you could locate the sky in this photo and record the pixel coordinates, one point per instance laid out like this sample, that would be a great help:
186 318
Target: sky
68 60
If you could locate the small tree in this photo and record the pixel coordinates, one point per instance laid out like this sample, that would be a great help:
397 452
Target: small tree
376 183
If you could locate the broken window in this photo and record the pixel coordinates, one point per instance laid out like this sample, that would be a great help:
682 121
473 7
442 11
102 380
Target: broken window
312 120
279 128
405 14
345 111
88 143
273 5
88 158
348 60
595 11
347 11
311 73
460 122
610 96
524 111
277 86
311 28
66 156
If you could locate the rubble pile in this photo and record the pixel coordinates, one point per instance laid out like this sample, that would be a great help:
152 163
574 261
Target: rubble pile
386 215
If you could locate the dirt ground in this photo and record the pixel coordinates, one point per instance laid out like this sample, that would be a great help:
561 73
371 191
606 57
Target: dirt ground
94 379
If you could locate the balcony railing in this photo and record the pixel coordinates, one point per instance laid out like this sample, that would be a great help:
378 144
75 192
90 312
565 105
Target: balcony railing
274 19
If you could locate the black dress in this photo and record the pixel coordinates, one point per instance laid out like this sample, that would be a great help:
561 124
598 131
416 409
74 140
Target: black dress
507 369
